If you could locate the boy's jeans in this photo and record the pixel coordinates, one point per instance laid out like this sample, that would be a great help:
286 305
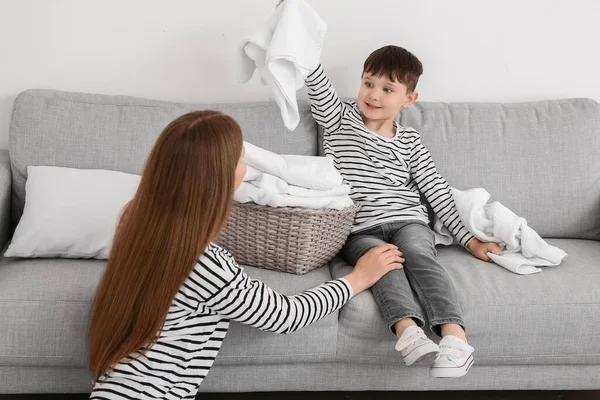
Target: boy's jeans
422 273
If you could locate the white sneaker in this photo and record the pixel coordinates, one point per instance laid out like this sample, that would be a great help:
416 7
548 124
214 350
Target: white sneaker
454 360
415 346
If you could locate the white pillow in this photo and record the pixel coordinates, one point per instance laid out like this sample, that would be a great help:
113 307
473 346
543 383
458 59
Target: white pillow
71 213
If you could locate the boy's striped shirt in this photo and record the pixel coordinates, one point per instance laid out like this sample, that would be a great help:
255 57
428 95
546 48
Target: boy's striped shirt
387 175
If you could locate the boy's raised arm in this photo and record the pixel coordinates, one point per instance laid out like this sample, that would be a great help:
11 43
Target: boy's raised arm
326 107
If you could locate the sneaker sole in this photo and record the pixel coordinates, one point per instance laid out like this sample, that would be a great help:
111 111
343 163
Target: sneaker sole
425 351
451 372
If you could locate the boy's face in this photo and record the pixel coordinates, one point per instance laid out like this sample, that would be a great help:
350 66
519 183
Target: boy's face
381 99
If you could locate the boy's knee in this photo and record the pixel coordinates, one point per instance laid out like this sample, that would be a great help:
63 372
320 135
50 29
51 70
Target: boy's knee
416 250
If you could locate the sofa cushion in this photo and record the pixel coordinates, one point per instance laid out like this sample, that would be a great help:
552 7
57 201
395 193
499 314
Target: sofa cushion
540 159
71 213
45 307
90 131
545 318
314 343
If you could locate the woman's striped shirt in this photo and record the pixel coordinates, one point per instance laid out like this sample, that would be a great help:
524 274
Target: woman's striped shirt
216 291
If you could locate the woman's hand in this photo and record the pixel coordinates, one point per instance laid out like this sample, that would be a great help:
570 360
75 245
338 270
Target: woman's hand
373 265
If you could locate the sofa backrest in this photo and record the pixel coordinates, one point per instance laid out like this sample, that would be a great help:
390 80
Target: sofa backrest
540 159
90 131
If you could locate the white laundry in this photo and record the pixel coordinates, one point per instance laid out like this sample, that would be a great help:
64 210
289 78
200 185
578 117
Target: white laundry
251 173
523 250
277 185
305 171
263 160
248 192
272 180
284 51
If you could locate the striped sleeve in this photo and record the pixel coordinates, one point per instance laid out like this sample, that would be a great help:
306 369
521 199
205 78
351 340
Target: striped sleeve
325 105
436 191
234 295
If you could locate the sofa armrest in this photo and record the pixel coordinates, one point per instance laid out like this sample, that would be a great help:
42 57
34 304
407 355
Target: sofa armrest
5 195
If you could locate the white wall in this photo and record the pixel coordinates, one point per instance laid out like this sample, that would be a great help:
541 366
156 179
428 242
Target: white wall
184 50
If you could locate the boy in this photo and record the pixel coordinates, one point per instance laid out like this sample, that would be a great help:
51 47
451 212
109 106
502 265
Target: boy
388 169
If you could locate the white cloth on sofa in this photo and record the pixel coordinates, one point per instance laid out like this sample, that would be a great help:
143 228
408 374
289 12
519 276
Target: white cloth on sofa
284 51
523 249
305 171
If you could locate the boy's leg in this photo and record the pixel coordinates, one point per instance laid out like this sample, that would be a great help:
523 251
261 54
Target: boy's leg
427 277
392 292
395 299
437 294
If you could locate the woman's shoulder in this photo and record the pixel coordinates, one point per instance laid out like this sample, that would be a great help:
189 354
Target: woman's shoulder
218 260
214 270
216 250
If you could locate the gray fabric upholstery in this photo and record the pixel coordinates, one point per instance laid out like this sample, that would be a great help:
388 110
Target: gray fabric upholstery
5 192
384 377
510 319
315 343
45 305
328 376
539 159
79 130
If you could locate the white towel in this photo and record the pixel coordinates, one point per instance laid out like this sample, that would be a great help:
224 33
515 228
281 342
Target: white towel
263 160
249 192
277 185
264 188
523 249
284 52
251 173
309 172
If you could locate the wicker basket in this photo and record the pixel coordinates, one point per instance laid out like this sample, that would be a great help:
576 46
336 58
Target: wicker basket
287 239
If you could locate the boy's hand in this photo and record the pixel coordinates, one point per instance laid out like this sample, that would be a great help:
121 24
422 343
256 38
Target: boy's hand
480 249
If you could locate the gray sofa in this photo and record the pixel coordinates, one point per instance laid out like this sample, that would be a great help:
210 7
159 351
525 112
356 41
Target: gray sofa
540 159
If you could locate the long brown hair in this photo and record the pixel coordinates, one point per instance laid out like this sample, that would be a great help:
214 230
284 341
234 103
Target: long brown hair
181 204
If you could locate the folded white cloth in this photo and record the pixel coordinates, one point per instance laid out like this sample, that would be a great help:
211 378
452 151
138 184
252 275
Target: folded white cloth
311 172
277 185
249 192
291 181
305 171
523 249
284 52
263 160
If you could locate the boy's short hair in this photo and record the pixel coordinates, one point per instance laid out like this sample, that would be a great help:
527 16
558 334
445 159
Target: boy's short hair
397 63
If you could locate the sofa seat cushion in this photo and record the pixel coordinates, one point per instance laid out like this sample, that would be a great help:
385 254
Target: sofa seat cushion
45 305
314 343
547 318
45 308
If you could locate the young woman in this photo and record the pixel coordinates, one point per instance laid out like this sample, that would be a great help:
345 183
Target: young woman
164 304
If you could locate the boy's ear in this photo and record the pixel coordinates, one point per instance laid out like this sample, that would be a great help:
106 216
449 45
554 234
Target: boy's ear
411 98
